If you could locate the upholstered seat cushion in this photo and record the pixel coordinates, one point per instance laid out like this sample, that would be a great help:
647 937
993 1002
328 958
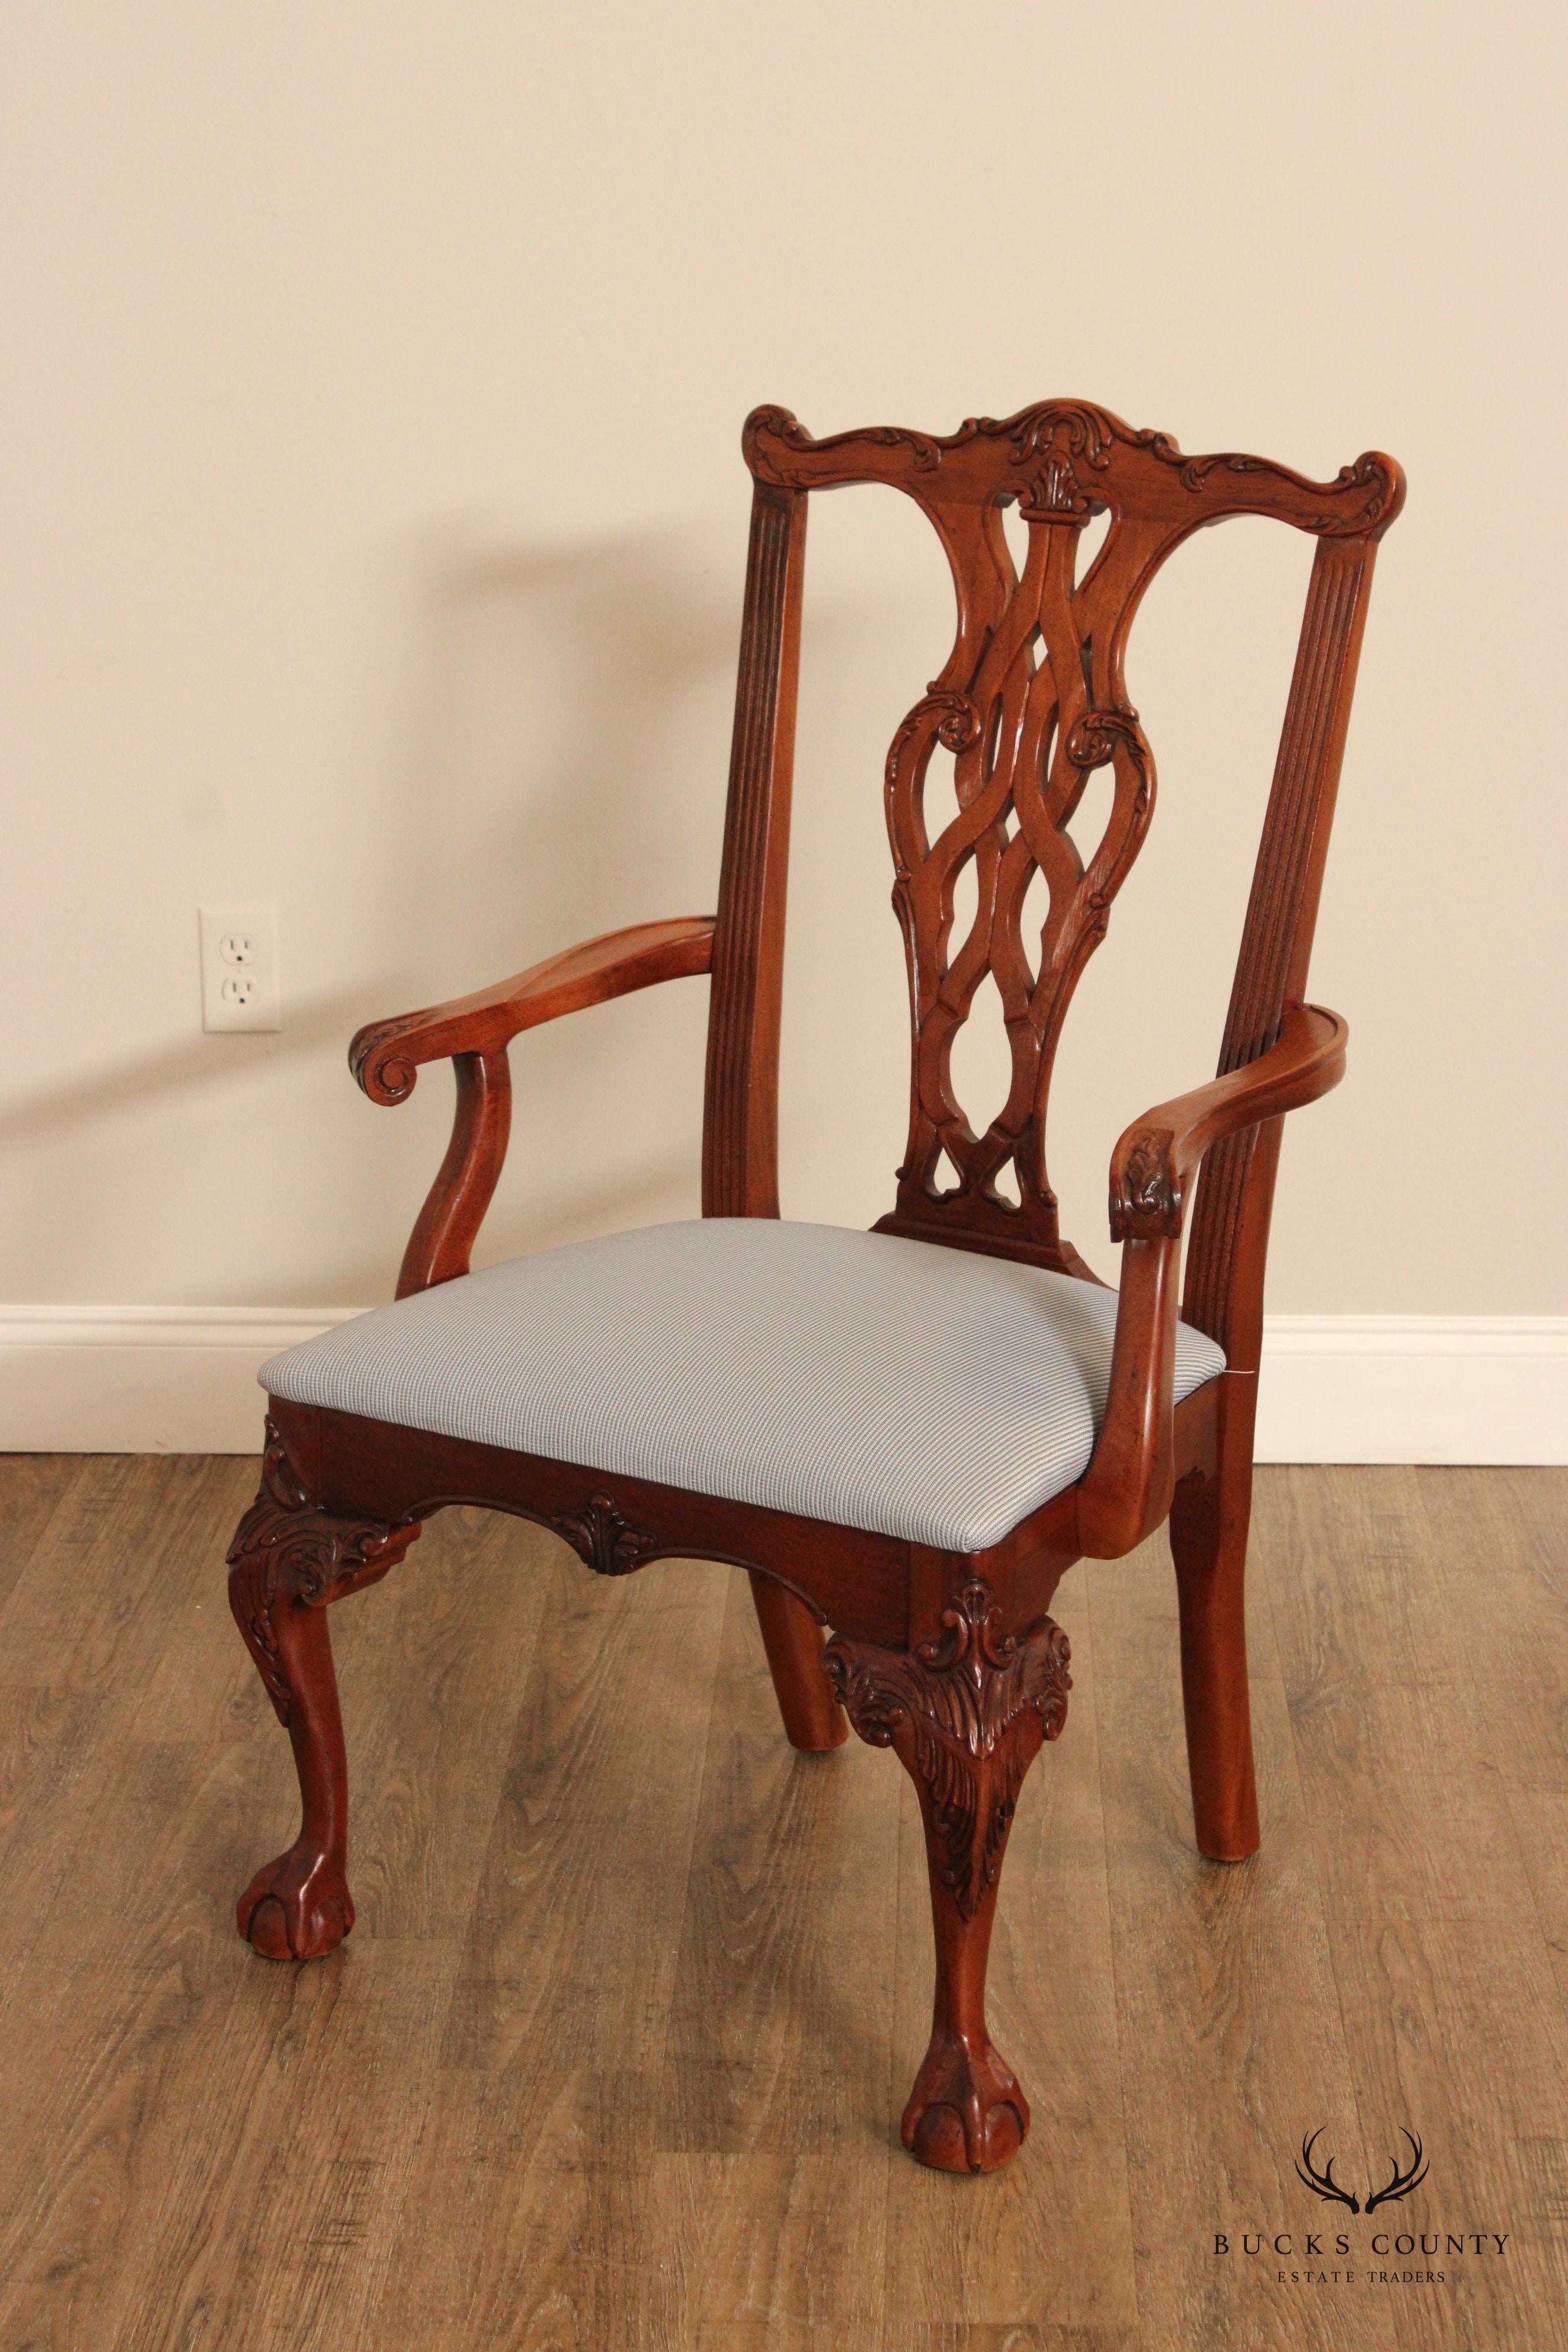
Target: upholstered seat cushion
913 1389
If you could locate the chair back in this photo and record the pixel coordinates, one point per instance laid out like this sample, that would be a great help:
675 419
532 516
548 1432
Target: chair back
987 770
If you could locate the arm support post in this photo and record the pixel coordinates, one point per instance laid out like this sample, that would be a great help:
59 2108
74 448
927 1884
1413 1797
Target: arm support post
442 1241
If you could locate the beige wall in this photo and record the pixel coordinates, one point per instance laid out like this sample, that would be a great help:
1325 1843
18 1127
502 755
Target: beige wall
374 534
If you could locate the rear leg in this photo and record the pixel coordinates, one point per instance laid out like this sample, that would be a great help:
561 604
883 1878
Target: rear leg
812 1719
1210 1517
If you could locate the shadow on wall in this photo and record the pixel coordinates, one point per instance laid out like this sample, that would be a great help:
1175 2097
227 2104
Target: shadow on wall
53 1112
558 770
564 773
566 744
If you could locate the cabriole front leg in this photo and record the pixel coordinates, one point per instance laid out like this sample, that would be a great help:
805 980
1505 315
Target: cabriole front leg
966 1717
288 1561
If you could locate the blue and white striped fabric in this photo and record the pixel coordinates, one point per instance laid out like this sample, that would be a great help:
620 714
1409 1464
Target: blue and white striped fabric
910 1388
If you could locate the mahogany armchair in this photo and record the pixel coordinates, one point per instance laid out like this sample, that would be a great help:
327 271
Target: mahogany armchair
906 1435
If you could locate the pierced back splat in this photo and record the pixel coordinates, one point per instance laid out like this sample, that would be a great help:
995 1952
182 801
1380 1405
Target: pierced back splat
1030 703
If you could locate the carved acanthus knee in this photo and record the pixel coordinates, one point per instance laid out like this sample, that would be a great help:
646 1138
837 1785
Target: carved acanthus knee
967 1715
286 1551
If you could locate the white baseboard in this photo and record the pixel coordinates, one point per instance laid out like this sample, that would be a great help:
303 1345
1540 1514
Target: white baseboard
142 1379
1413 1388
1334 1388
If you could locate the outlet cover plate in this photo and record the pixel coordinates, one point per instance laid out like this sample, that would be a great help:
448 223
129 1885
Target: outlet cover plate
239 968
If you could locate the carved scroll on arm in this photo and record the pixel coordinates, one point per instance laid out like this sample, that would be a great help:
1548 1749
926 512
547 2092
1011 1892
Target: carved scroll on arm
1156 1160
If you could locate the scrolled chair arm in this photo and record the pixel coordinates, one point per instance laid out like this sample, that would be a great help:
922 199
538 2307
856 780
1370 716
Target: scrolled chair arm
1156 1158
1126 1491
474 1032
384 1057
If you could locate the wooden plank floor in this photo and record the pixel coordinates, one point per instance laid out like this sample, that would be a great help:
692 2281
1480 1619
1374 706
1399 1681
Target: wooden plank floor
614 2055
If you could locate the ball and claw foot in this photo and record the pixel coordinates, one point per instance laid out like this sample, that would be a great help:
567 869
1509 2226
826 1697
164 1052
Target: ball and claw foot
298 1908
966 2113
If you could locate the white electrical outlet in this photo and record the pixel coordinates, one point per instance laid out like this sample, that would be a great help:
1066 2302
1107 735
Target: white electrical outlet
239 968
